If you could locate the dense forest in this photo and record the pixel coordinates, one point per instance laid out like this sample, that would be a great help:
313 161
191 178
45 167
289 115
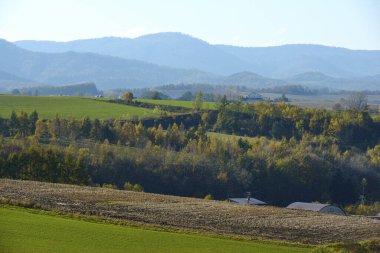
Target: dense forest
287 153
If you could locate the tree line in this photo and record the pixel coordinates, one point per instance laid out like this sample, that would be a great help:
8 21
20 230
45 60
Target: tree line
292 154
349 128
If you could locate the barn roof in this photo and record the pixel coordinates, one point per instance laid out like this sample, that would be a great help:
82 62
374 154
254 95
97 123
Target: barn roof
307 206
252 201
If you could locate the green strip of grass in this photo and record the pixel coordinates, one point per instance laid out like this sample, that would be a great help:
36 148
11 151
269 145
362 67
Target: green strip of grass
68 107
24 230
186 104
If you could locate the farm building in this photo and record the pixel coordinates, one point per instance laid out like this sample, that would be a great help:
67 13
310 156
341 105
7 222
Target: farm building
322 208
253 96
247 201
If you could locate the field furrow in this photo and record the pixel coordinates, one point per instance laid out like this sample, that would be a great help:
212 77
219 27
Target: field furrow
193 214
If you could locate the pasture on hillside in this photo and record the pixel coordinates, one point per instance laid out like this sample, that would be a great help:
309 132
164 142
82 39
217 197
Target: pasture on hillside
26 230
68 107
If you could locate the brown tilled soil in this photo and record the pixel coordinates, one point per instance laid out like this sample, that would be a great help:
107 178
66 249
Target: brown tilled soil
193 214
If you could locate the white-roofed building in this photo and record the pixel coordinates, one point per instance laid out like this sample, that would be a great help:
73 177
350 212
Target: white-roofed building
322 208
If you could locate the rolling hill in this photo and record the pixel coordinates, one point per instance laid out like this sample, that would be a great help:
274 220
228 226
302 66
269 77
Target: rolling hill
68 107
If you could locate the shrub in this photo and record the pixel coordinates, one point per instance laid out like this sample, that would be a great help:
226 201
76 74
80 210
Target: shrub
208 197
368 210
128 186
133 187
109 186
138 188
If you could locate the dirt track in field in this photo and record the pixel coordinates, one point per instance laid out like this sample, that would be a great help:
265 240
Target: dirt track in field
194 214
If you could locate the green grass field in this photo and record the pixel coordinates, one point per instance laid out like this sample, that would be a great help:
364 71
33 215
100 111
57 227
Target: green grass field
26 230
186 104
68 107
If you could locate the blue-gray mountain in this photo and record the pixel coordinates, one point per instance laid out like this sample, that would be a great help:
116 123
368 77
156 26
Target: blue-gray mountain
95 61
21 67
73 67
182 51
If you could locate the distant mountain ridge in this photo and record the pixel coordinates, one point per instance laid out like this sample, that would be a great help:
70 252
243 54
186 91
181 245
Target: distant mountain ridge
105 71
183 51
35 69
24 68
166 49
290 60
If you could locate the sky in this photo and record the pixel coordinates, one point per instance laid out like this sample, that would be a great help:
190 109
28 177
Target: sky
353 24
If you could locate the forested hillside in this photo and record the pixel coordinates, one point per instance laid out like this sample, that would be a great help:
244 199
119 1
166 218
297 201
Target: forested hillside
289 154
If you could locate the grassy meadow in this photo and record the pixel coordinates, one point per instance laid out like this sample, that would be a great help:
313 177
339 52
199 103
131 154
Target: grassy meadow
26 230
68 107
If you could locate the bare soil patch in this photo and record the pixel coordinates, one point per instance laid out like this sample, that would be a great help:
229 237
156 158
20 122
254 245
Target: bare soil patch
194 214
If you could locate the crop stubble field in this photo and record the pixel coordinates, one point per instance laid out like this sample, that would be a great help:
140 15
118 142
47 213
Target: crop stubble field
178 213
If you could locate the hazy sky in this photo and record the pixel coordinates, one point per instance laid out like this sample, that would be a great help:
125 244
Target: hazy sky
345 23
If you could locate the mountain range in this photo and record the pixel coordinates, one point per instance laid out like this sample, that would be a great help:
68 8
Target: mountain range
165 58
183 51
73 67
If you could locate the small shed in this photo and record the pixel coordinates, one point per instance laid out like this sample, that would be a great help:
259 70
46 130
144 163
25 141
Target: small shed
247 201
321 208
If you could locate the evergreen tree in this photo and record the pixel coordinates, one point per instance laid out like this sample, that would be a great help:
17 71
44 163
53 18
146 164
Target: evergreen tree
95 132
86 127
33 117
13 124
